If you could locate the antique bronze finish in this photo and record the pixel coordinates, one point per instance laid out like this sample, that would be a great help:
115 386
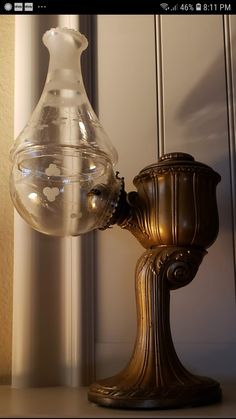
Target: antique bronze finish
174 216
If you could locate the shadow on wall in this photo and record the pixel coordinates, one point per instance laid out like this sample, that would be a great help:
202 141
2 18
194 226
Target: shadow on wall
205 116
203 112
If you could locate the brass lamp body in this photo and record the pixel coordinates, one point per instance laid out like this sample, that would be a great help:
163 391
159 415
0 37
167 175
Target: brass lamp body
174 216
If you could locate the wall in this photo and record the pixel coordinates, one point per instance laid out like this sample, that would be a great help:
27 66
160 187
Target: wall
158 90
127 110
164 85
6 208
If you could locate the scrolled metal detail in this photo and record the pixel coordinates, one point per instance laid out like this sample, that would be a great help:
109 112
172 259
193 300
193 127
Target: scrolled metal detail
179 266
179 272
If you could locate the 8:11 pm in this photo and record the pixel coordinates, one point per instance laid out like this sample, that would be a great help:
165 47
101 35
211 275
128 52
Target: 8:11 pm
214 7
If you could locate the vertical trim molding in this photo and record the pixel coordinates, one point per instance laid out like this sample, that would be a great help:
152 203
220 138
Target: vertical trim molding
53 278
231 107
159 86
87 26
7 29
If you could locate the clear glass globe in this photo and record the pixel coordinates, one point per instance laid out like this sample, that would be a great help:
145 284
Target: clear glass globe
62 180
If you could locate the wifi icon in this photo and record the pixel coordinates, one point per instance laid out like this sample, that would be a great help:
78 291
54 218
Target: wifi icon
164 6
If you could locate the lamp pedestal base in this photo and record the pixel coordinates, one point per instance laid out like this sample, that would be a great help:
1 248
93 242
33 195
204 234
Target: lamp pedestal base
155 377
114 395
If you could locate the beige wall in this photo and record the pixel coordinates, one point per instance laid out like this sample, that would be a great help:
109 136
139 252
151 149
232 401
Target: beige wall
178 103
6 208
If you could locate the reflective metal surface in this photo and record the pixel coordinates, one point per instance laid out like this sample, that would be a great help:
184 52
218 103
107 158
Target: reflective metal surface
174 215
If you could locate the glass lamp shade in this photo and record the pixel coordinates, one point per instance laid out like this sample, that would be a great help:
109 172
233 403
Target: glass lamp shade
62 180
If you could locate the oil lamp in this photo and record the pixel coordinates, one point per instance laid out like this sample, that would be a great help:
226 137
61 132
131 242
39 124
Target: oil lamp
63 183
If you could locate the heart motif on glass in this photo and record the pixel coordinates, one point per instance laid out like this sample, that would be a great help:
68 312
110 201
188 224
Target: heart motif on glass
51 193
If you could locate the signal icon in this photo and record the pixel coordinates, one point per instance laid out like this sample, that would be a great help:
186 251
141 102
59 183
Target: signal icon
164 6
175 8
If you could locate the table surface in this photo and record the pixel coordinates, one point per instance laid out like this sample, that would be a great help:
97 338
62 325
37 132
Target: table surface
66 402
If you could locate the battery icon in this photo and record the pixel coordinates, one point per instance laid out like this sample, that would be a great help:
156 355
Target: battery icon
198 7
